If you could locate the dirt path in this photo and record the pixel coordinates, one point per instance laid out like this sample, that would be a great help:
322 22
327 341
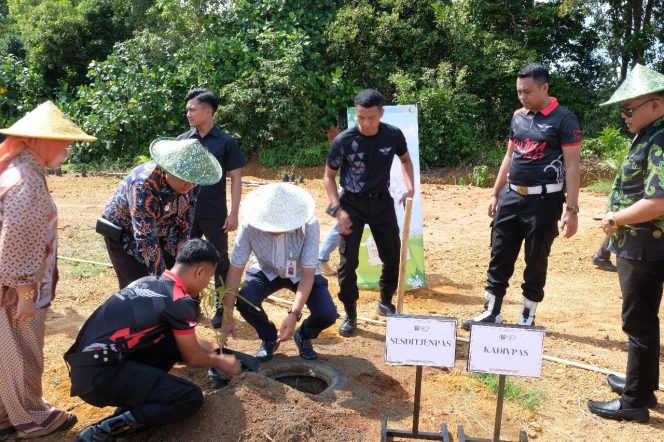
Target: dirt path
581 314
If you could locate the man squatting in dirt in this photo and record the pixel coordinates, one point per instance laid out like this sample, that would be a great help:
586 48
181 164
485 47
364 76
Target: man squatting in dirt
211 217
280 228
364 155
542 159
635 224
124 351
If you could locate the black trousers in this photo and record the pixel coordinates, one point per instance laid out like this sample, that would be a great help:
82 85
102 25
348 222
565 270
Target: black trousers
126 267
641 284
376 210
141 385
213 229
530 219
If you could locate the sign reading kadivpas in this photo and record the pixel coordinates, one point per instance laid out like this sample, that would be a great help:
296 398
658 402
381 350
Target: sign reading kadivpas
505 349
420 340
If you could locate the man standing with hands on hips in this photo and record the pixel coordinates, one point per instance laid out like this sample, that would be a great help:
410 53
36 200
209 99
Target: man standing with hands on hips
635 225
364 155
542 158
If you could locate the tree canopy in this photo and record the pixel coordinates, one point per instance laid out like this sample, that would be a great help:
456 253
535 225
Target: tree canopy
286 70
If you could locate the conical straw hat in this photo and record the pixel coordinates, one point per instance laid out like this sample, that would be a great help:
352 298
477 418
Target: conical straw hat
640 81
187 160
278 207
47 121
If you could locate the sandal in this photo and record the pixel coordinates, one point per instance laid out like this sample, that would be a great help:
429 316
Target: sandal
63 423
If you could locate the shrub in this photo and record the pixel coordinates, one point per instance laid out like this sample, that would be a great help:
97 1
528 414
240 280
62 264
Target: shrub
21 89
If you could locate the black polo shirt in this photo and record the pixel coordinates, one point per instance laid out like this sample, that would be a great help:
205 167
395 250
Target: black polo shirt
641 176
365 161
538 141
212 199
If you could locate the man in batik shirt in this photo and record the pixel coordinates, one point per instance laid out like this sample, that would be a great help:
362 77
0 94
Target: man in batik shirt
153 209
635 224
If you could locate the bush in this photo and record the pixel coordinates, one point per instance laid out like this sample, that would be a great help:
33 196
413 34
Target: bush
21 89
611 146
449 133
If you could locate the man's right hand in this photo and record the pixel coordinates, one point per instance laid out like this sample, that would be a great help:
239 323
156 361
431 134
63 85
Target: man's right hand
493 205
344 223
229 364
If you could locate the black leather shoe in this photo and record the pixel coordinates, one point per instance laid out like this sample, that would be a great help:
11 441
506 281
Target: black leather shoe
347 328
266 350
386 309
604 264
617 385
613 410
304 346
217 318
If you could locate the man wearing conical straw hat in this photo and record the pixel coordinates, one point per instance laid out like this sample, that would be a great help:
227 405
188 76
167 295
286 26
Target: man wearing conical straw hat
280 229
635 224
152 211
28 268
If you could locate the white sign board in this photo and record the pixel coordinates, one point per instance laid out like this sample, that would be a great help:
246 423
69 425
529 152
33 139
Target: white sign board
420 340
504 349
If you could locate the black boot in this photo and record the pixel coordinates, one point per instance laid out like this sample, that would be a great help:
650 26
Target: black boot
108 429
347 328
385 306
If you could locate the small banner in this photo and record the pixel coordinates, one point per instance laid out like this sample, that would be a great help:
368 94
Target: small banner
368 272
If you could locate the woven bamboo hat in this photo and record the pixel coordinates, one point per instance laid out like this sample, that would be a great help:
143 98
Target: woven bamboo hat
640 81
187 160
278 207
47 121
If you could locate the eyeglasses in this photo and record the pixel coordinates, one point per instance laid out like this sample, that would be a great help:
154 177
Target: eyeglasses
629 111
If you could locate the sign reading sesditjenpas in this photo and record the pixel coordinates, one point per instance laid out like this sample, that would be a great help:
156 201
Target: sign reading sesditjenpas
420 340
506 349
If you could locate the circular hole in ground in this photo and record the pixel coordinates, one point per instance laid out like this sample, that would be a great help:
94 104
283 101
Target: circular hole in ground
305 384
308 377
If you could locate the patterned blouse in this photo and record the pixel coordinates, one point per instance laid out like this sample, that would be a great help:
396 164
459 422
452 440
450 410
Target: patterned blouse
155 218
28 231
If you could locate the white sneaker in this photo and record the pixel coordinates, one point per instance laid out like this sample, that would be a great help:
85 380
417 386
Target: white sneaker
326 269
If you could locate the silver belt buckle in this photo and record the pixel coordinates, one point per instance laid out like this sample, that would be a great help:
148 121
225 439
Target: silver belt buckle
522 190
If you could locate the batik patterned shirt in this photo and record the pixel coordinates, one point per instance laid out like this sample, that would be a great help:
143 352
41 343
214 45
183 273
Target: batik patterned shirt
154 218
641 176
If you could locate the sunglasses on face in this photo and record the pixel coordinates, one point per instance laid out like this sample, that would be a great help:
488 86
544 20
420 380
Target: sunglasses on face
629 111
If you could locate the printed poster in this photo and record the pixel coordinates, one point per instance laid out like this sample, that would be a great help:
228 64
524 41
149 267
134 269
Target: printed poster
368 272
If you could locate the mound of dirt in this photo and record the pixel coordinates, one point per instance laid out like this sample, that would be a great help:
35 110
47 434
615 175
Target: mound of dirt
255 408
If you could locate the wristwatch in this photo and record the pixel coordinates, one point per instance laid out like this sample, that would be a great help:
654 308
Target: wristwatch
612 219
573 209
298 313
332 209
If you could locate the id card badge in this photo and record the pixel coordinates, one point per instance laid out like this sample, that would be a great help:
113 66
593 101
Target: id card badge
290 268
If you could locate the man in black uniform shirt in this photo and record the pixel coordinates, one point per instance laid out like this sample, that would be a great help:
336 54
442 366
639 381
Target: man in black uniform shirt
124 351
364 155
211 217
542 158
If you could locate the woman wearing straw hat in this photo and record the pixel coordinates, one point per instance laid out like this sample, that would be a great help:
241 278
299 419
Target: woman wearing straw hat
152 211
635 225
28 271
281 231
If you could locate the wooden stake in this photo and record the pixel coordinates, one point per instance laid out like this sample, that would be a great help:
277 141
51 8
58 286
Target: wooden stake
401 288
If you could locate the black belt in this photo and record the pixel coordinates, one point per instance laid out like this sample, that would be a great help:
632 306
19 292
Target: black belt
88 358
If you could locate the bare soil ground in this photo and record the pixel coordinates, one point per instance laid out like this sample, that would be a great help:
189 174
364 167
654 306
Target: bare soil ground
581 313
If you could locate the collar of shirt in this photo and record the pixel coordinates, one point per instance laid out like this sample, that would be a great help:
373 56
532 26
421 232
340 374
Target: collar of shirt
179 290
546 111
